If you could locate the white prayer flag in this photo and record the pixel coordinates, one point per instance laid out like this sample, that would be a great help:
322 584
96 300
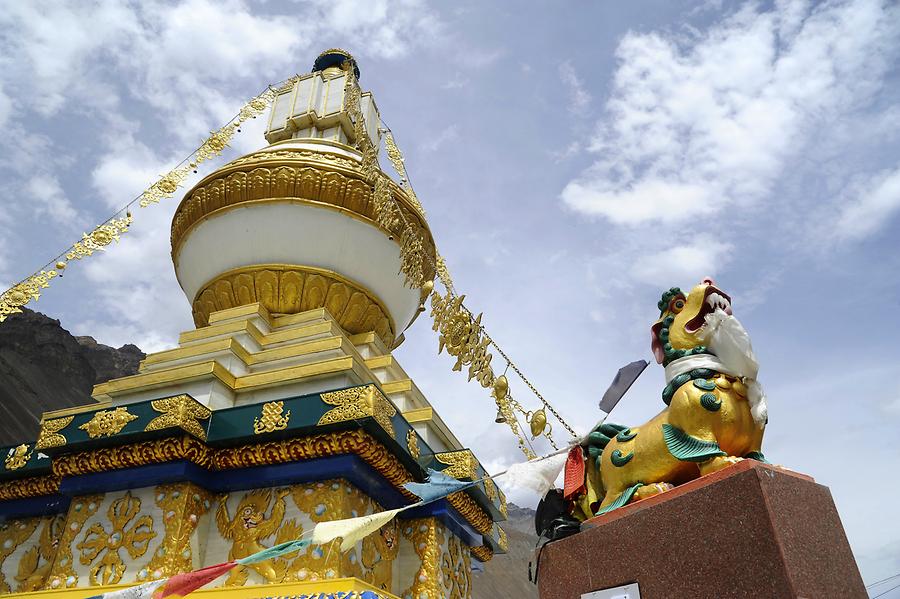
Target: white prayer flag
536 475
351 530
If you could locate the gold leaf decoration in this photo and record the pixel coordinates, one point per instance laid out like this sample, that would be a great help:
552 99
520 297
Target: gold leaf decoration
99 238
49 436
182 411
107 423
128 531
13 299
461 464
412 443
18 457
273 418
359 402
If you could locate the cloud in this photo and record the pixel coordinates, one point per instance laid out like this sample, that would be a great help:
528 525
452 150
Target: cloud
701 122
682 264
46 196
449 133
579 98
868 212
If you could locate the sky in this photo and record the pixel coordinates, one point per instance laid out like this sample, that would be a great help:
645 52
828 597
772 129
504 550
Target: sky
573 164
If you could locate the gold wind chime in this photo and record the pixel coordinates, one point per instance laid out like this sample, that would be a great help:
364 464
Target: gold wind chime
461 333
13 299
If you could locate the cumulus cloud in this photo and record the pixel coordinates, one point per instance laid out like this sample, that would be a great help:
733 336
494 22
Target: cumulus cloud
682 264
872 208
700 122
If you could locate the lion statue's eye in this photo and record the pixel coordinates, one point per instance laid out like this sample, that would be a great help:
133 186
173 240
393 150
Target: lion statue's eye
678 305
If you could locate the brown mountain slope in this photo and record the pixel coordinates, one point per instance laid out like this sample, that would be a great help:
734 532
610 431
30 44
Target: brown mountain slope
43 367
507 575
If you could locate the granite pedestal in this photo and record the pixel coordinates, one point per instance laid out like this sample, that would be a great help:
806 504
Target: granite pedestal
750 530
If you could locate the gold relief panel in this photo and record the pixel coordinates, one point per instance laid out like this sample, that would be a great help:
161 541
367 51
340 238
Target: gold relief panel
180 411
278 515
17 457
290 289
28 487
125 532
107 423
359 402
456 569
49 435
461 464
428 539
183 506
62 574
273 418
13 534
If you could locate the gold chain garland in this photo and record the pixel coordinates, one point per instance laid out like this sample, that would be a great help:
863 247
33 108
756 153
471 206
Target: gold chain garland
13 299
460 331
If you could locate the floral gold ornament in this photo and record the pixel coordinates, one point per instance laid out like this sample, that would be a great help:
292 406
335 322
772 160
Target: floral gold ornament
482 553
107 423
17 457
62 573
359 402
461 464
99 238
49 435
35 486
14 533
128 531
129 456
13 299
183 506
181 411
412 443
273 418
35 563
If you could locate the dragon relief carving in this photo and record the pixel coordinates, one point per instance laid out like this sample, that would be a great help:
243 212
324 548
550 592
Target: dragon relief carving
34 565
249 527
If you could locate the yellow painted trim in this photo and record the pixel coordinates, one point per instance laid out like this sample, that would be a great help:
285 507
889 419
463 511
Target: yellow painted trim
244 312
397 386
328 326
225 328
362 338
380 361
273 377
246 592
73 410
419 415
301 349
286 320
179 353
178 374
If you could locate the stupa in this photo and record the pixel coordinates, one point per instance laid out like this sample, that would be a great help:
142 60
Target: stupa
284 407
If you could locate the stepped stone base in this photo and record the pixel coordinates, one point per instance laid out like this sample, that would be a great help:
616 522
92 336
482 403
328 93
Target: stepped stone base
750 530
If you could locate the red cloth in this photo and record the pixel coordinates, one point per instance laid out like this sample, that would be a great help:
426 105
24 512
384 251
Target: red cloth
182 584
574 481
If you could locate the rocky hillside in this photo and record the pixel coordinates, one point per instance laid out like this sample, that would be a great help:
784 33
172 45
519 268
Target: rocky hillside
507 575
44 367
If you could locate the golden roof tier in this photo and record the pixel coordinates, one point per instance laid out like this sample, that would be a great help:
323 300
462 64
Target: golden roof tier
293 226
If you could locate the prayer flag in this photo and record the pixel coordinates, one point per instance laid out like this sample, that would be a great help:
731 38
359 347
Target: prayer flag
537 475
436 486
625 378
351 530
274 551
141 591
182 584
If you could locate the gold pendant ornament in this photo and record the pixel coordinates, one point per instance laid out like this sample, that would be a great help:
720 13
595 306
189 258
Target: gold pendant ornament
107 423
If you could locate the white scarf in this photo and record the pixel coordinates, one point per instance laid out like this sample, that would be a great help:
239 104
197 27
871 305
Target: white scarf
726 338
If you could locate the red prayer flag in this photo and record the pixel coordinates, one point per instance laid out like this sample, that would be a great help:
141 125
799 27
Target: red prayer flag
182 584
574 481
